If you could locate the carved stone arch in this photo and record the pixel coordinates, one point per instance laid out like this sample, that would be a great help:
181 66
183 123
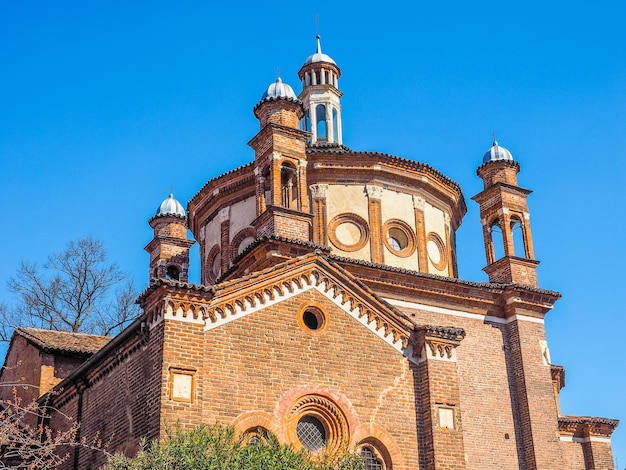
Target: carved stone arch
378 438
248 232
211 315
250 299
298 282
250 420
333 409
306 280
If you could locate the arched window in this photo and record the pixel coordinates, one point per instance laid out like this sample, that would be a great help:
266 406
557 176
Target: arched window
335 126
370 459
289 186
320 121
172 272
517 232
497 240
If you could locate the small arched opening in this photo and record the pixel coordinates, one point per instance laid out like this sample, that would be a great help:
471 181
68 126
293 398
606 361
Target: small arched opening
320 122
517 234
289 186
497 239
172 272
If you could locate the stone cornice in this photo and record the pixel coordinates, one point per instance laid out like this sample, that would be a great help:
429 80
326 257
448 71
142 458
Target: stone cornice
273 128
509 163
499 187
587 426
558 375
455 292
437 342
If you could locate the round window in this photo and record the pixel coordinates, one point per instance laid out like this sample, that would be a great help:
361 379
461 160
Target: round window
399 238
311 433
216 266
348 232
436 250
312 318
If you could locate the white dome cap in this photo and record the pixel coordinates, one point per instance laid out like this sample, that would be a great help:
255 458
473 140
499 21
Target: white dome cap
319 56
171 207
497 153
278 89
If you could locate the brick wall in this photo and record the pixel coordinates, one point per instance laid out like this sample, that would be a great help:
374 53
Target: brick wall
251 363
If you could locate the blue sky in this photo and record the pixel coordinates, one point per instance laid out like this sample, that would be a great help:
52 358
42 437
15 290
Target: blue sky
104 106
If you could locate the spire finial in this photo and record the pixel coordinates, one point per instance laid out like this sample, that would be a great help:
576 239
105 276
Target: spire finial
278 72
317 33
171 191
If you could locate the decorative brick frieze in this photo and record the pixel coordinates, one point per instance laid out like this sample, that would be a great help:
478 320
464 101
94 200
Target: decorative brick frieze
438 343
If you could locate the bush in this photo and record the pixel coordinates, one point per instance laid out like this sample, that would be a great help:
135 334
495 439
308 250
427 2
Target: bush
219 448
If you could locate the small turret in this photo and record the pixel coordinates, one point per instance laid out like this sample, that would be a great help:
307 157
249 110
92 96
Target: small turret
505 220
280 165
321 98
169 249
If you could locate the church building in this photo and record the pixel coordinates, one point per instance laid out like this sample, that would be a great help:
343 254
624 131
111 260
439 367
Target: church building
330 312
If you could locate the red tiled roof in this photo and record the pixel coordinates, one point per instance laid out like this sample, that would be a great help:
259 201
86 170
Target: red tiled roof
64 341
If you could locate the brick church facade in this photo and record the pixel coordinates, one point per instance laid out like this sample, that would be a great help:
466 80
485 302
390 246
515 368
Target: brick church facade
330 312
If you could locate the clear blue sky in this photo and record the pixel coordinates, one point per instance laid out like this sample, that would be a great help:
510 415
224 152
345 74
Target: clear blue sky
104 106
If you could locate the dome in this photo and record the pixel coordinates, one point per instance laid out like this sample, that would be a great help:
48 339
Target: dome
171 207
319 56
278 89
497 153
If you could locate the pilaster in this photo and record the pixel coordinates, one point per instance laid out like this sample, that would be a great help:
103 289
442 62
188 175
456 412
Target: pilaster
441 432
420 227
374 196
318 196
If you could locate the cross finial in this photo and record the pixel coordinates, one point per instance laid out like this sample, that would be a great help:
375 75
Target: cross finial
317 24
493 134
278 72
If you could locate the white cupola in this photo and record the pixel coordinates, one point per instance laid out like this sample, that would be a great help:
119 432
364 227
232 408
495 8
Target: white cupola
321 98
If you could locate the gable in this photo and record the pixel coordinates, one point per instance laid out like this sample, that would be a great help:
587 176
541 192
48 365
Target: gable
270 289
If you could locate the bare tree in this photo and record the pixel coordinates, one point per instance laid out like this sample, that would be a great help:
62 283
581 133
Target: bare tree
79 290
28 442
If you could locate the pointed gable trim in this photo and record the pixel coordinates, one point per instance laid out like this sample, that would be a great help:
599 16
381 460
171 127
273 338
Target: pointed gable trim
224 311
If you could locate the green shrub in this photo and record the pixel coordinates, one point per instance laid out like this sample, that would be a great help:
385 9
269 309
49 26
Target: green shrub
215 447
